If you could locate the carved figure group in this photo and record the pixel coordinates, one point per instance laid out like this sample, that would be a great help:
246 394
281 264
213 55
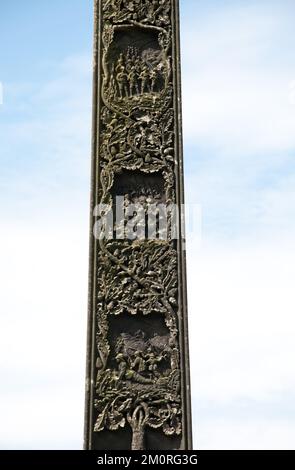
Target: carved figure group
133 76
138 359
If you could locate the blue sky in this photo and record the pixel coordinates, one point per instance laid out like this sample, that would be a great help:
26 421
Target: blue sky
239 119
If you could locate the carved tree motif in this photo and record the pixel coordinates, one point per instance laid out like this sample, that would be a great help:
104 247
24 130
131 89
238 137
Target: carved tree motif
141 408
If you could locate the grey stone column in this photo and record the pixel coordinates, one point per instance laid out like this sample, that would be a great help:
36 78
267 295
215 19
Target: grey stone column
138 385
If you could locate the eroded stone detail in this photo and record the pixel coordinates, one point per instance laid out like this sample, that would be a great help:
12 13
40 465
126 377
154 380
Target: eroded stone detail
138 373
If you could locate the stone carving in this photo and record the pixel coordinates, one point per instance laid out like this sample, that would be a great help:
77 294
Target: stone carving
138 278
134 75
135 392
146 11
145 144
138 374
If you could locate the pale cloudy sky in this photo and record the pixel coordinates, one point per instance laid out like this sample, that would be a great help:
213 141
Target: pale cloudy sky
239 121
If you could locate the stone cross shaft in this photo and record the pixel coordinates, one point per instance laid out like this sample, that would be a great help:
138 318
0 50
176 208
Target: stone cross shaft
137 387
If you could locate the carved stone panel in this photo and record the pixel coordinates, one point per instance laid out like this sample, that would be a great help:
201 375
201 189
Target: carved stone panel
138 394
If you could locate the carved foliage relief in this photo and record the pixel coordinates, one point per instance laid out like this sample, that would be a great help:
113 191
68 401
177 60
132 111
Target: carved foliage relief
137 331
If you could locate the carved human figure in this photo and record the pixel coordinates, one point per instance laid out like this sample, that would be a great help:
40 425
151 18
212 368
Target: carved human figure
122 366
139 363
152 361
132 77
144 75
121 76
129 59
153 78
138 64
127 372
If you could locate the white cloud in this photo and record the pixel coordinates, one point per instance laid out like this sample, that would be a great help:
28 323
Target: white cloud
242 327
46 150
239 119
246 434
237 71
43 336
44 259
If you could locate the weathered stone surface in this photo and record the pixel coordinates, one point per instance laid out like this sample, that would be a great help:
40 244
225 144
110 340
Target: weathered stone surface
138 392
